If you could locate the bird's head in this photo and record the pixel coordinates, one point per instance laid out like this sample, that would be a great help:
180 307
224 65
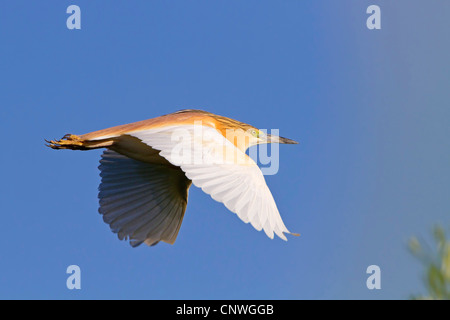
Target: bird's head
244 138
259 137
243 135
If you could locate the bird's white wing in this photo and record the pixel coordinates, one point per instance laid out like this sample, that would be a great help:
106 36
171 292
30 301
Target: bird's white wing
140 201
221 170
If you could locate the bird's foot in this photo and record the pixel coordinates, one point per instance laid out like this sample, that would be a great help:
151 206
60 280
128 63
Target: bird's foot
69 141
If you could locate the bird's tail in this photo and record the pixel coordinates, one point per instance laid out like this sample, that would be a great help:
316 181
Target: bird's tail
74 142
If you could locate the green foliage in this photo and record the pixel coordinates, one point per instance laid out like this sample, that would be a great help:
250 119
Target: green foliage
437 263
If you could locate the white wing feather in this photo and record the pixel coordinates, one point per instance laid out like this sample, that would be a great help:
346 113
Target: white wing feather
221 170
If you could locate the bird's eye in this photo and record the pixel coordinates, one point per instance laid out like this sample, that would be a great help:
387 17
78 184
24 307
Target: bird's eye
255 133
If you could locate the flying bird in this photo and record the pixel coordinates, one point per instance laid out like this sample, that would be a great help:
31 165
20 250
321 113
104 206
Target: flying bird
148 166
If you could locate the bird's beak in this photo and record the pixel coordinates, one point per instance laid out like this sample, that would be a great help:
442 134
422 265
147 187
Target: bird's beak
276 139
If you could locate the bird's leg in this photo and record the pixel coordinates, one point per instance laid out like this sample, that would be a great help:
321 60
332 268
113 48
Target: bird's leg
74 142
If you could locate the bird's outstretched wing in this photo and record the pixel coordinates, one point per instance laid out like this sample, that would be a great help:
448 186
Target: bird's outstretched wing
142 202
221 170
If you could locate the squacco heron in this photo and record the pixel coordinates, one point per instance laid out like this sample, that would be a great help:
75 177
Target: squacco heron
148 167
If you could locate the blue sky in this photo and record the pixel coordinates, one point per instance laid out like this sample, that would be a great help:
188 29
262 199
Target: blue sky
370 109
